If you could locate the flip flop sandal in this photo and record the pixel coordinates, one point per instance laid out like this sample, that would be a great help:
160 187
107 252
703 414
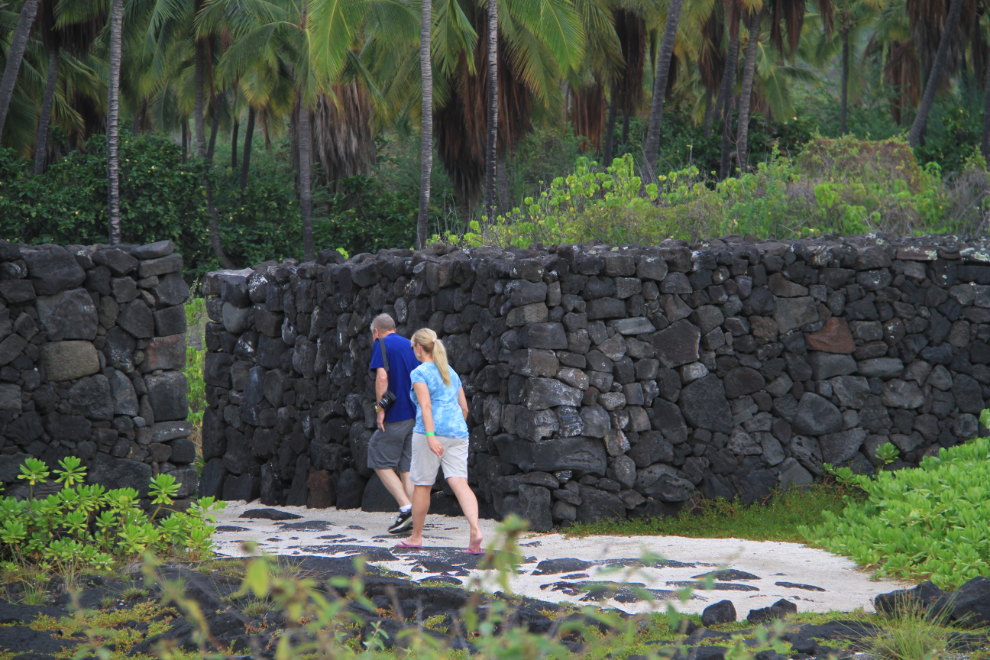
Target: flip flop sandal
473 552
408 546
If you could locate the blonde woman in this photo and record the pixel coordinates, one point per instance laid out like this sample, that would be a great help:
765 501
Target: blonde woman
440 437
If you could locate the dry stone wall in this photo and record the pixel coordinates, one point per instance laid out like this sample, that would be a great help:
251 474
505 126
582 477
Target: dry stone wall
606 382
92 347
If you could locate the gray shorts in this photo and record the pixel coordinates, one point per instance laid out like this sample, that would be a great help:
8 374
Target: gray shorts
425 463
391 449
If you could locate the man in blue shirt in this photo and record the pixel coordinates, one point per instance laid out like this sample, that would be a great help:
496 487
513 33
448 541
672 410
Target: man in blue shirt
390 448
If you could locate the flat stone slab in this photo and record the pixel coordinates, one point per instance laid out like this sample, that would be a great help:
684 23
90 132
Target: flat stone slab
751 574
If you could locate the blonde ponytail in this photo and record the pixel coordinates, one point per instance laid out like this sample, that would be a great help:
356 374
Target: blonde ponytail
427 340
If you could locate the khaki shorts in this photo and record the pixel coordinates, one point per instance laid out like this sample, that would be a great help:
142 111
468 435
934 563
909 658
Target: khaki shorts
423 471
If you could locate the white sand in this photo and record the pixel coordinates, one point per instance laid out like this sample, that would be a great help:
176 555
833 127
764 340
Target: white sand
846 587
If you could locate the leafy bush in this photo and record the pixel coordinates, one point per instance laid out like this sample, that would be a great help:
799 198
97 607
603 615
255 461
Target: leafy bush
90 528
932 522
844 186
164 198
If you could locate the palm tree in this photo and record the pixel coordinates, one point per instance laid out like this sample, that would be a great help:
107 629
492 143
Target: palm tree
936 74
855 20
41 144
727 89
789 14
248 139
749 69
538 41
630 29
426 152
652 145
113 110
492 117
14 57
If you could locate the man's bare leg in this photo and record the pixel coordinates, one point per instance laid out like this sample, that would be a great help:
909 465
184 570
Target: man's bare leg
407 484
396 486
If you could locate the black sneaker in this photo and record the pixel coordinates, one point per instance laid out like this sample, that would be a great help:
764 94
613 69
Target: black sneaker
402 524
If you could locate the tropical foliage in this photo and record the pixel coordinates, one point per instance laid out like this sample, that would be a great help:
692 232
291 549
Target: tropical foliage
714 85
929 523
842 186
89 528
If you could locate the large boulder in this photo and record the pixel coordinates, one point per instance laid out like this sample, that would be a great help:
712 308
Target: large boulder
53 269
92 398
816 416
792 313
376 497
112 473
838 448
543 393
532 503
68 315
69 360
742 381
125 401
579 453
168 392
678 345
136 318
597 505
704 405
970 603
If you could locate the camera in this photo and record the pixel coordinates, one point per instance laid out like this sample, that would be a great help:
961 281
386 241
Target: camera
387 400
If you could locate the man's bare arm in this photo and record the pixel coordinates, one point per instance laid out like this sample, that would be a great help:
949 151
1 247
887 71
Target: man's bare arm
381 383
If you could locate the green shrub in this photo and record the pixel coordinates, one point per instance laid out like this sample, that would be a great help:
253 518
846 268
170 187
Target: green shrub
844 186
86 527
932 522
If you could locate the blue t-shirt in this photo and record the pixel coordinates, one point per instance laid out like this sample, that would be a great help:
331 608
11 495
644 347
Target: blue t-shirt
448 420
401 362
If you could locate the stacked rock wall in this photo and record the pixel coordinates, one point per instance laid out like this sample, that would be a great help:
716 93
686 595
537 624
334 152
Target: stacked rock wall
92 347
606 381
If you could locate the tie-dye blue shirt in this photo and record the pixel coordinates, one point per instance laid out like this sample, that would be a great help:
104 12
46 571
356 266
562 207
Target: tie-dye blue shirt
448 420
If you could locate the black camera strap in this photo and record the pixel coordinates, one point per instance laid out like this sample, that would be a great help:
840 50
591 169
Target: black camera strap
381 344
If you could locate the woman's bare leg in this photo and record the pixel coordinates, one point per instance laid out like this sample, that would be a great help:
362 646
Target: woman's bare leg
420 507
469 505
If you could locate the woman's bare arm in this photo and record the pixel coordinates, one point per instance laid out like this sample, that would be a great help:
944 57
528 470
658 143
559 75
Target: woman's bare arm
462 400
426 405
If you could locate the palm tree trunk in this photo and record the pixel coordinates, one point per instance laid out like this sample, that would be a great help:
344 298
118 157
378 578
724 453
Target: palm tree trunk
305 193
264 129
491 157
248 138
426 154
728 76
746 99
41 144
14 57
709 110
625 128
503 180
113 112
609 133
845 82
199 103
215 243
986 117
652 146
185 139
935 77
233 145
726 94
